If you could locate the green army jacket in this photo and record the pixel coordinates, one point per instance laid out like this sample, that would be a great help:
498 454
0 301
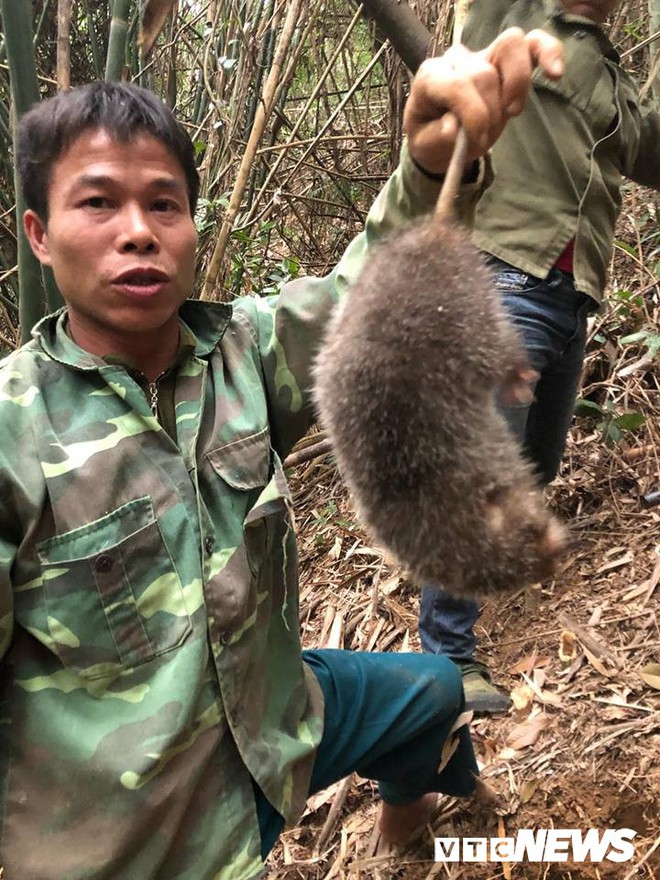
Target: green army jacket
559 165
151 659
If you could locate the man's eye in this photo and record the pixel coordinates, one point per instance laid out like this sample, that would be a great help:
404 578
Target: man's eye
164 205
96 202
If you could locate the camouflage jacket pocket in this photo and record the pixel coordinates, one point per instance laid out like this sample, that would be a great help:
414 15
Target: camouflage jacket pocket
244 468
248 491
244 464
112 593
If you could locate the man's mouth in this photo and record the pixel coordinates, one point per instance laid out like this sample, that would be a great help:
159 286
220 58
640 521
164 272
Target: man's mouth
142 282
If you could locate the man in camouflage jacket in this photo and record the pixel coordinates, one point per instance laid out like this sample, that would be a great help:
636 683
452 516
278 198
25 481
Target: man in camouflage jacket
158 718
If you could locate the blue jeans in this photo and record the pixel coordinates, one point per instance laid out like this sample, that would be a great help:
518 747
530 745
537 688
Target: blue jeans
386 717
551 317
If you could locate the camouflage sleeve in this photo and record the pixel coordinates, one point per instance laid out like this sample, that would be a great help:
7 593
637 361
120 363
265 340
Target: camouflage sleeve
22 489
7 555
291 325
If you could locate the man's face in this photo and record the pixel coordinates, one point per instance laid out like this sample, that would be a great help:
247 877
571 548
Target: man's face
596 10
120 240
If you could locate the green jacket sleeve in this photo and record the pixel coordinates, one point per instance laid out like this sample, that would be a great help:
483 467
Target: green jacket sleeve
7 553
22 487
291 325
646 169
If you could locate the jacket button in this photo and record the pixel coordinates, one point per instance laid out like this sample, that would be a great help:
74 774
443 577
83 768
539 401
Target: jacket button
209 544
103 564
225 637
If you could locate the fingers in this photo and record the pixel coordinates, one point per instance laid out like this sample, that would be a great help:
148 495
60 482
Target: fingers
476 97
460 85
515 55
482 90
510 55
518 386
547 52
431 143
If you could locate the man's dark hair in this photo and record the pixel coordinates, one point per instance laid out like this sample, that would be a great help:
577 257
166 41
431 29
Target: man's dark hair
123 111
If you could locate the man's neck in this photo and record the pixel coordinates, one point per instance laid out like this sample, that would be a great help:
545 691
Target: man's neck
151 353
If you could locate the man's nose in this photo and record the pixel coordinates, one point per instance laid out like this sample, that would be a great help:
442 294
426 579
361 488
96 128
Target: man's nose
136 232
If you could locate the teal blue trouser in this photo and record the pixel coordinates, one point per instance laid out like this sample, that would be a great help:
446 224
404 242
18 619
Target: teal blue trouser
387 717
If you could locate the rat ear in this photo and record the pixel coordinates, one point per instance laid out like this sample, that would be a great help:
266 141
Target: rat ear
37 235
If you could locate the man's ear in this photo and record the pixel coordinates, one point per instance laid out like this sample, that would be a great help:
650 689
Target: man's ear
37 235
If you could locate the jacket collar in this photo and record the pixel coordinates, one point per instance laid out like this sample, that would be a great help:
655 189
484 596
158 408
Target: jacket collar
206 320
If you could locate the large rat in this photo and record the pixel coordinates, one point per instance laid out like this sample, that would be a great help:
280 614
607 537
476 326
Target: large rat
407 386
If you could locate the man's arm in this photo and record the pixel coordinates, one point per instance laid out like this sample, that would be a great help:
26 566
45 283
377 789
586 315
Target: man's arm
7 553
482 90
646 169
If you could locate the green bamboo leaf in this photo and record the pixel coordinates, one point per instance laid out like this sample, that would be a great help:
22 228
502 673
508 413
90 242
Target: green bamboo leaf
630 421
624 246
650 340
612 434
587 408
634 337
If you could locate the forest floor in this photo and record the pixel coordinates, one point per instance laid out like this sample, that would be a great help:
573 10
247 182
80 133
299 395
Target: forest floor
580 656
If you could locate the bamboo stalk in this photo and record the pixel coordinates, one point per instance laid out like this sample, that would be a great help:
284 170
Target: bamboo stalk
116 57
310 101
40 24
652 84
308 453
264 110
64 8
17 22
262 64
93 41
172 71
335 113
154 16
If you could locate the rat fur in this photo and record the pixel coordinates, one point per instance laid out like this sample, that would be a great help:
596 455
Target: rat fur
407 384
